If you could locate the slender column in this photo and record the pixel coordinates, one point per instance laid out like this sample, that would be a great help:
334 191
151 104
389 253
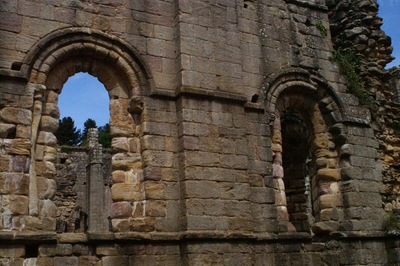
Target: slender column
37 115
97 216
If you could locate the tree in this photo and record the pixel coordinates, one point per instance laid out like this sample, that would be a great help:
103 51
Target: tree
105 136
67 134
89 123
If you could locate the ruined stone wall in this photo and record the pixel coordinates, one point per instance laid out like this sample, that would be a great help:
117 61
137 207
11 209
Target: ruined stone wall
234 140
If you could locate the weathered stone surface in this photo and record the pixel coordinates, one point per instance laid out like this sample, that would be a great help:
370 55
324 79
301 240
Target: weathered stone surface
72 237
14 183
126 192
67 261
120 144
48 208
16 204
121 210
118 176
17 146
115 260
12 251
208 126
4 163
46 138
48 123
13 115
120 225
6 130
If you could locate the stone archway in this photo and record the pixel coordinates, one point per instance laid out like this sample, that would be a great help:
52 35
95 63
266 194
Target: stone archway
305 149
48 65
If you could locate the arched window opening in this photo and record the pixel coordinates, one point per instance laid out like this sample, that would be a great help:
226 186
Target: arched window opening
84 104
296 162
85 100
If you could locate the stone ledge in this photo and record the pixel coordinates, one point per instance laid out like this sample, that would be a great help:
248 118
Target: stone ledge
308 4
186 90
255 106
15 74
199 92
36 236
72 237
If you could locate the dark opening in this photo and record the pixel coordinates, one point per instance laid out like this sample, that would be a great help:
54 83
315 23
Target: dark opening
16 66
295 156
31 251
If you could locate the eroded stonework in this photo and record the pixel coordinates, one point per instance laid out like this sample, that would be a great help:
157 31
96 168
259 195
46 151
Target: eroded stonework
234 138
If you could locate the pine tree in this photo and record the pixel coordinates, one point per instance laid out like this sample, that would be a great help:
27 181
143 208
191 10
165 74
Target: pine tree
105 136
67 134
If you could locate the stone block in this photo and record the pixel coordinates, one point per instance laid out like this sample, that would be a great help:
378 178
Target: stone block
115 260
328 174
262 195
17 146
235 191
151 142
32 223
16 204
329 201
12 251
120 144
201 189
201 223
159 158
7 130
124 162
234 161
89 261
66 261
16 115
49 224
45 261
48 123
5 163
46 138
204 159
47 250
120 225
152 173
146 224
11 183
162 190
126 192
121 210
155 208
118 176
108 250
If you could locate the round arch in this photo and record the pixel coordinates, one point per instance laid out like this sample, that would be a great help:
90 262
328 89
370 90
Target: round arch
68 51
306 112
127 79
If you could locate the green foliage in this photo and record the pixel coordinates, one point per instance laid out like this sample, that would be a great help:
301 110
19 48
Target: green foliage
67 134
349 64
392 222
105 136
322 29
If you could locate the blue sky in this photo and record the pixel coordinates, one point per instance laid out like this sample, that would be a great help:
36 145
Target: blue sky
83 97
389 10
77 101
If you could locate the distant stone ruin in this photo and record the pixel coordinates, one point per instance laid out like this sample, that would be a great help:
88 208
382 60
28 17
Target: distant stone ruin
237 136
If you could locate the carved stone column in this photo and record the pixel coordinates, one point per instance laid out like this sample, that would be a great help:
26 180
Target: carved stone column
97 216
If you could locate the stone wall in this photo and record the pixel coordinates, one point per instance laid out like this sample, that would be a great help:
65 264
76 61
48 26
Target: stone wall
234 140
